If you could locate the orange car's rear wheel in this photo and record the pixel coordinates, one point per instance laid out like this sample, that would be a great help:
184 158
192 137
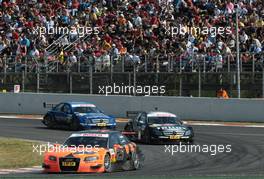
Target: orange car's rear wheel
107 164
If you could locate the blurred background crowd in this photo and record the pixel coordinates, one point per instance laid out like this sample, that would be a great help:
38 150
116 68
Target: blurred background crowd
135 31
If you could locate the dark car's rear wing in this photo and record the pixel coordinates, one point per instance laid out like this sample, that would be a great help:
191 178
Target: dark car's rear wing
132 114
49 105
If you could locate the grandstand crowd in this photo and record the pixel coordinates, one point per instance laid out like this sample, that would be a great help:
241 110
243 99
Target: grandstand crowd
134 30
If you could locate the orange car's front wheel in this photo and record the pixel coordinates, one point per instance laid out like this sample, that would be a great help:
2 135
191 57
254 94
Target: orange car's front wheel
108 164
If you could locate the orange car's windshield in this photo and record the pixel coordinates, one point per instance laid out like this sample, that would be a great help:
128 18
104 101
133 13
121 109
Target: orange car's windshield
87 141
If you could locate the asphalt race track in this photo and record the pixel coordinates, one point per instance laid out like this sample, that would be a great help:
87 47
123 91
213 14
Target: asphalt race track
246 157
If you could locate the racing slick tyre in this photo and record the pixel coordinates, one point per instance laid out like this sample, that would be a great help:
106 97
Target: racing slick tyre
48 121
74 125
109 167
187 142
147 137
135 162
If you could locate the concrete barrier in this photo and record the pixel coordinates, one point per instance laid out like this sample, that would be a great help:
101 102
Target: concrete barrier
186 108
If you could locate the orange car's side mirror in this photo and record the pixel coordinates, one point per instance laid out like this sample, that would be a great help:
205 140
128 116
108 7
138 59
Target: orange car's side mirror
117 146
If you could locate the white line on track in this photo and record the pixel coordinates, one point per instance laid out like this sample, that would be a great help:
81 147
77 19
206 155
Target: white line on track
232 134
223 124
17 117
35 169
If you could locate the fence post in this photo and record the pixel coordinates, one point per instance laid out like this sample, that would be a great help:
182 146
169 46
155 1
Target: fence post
204 65
172 62
228 63
157 64
37 78
91 79
192 60
253 63
146 63
111 68
129 78
199 81
46 65
23 81
135 78
169 64
26 65
70 81
15 65
180 85
5 69
79 65
57 66
241 65
180 64
123 63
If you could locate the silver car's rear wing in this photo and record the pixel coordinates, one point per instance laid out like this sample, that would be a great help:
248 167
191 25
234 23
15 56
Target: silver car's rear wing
132 114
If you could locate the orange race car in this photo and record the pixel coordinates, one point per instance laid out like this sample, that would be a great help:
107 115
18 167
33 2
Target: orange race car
93 151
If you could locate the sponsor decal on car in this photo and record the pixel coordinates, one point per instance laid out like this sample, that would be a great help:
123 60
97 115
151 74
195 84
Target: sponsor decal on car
84 105
157 114
90 135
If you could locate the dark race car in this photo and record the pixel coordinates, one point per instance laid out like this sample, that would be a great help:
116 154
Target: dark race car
78 115
158 126
93 151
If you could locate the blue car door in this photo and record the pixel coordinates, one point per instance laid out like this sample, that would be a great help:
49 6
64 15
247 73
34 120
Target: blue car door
57 111
64 115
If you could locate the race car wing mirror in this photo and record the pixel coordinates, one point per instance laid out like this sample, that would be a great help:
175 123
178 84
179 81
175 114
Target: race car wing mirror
141 122
117 146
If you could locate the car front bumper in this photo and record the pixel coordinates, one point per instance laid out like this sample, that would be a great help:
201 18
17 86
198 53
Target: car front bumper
98 125
93 167
172 137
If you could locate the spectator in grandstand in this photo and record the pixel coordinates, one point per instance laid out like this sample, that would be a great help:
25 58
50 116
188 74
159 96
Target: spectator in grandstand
115 53
72 58
2 45
34 53
64 42
222 94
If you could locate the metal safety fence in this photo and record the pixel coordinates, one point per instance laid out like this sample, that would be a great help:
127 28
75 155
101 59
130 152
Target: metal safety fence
199 75
198 84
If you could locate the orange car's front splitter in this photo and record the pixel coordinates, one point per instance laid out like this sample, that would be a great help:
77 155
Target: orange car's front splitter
83 168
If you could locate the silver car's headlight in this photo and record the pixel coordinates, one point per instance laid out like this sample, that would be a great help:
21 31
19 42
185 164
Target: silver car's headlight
188 132
157 131
88 121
